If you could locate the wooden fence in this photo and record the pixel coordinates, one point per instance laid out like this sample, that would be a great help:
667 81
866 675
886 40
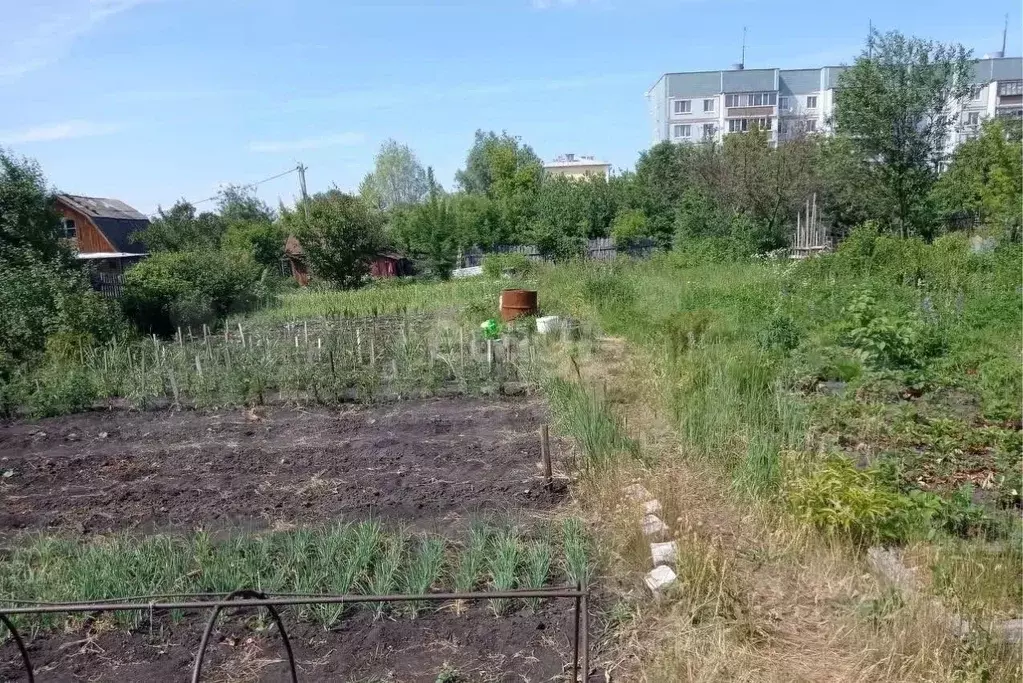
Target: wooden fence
600 249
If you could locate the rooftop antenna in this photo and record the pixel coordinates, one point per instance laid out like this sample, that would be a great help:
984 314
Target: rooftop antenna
1005 31
742 61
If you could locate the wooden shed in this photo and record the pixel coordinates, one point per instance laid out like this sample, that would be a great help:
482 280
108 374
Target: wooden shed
104 233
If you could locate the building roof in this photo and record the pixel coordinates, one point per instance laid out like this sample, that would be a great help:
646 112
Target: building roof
572 160
115 219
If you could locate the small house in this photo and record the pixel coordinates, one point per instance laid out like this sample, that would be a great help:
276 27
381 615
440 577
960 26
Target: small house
385 264
102 231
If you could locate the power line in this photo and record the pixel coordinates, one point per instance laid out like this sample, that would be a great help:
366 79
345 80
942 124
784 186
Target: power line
252 186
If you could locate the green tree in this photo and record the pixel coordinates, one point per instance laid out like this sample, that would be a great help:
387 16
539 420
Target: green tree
30 228
985 178
429 230
629 227
499 166
239 204
663 175
896 105
181 228
44 294
397 178
263 242
339 238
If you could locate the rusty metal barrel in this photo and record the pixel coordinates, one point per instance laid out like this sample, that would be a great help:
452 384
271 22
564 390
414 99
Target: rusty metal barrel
516 303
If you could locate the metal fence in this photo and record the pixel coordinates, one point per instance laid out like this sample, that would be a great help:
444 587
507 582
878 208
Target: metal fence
600 249
107 284
217 602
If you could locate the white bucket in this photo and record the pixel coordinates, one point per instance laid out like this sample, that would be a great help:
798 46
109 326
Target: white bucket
548 323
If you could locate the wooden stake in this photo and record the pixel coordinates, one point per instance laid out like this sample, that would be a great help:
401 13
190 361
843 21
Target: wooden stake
358 347
490 354
545 453
198 366
372 352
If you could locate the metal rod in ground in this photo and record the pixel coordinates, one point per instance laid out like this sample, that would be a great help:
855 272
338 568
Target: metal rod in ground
296 600
584 632
545 453
204 643
575 640
25 659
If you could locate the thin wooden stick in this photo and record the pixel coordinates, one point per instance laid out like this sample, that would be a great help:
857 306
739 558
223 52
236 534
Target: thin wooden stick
545 453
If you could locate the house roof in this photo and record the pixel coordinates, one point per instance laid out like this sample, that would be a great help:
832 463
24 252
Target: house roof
115 219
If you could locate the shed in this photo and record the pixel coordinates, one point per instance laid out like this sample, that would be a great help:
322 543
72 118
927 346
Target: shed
103 231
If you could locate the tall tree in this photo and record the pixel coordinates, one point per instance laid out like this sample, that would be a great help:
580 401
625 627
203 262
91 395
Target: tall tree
897 104
339 235
397 179
499 166
239 204
182 228
985 178
29 225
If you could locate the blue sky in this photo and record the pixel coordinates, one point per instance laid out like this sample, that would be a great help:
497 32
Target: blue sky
152 100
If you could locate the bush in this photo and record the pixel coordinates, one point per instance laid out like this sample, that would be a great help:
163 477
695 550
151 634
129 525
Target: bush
40 299
511 263
189 289
840 499
629 227
886 341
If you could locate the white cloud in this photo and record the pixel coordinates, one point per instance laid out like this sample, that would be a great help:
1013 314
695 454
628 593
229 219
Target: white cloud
65 130
46 30
335 140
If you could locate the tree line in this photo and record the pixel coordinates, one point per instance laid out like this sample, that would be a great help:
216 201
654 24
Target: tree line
882 161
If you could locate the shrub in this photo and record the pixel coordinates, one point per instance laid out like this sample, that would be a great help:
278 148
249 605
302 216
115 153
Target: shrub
511 263
40 299
629 227
840 499
883 340
188 289
781 334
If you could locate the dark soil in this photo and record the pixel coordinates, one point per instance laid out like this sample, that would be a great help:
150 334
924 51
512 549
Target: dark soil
520 647
431 463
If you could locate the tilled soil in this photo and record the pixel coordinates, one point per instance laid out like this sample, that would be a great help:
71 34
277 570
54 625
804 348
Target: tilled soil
431 463
523 647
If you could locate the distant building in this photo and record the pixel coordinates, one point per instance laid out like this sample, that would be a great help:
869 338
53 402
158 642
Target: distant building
707 105
103 232
386 263
572 166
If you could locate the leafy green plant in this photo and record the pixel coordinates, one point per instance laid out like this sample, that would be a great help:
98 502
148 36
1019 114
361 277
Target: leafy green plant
885 341
840 499
536 566
511 263
578 567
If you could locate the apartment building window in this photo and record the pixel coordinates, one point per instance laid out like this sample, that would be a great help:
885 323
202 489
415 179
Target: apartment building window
70 232
683 131
756 99
973 118
708 105
708 131
811 126
683 106
811 101
1010 88
784 103
743 125
975 92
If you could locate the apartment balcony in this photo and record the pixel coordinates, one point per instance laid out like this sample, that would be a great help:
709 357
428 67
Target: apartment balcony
750 112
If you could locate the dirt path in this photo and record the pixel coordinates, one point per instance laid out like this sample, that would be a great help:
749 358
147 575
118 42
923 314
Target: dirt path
760 597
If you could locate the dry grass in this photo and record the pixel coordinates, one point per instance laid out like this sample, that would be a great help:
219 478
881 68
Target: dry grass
759 596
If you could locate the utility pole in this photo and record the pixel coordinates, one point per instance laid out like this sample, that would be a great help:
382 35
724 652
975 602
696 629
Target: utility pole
301 184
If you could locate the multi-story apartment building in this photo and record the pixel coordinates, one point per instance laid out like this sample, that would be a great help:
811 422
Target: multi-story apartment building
706 105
